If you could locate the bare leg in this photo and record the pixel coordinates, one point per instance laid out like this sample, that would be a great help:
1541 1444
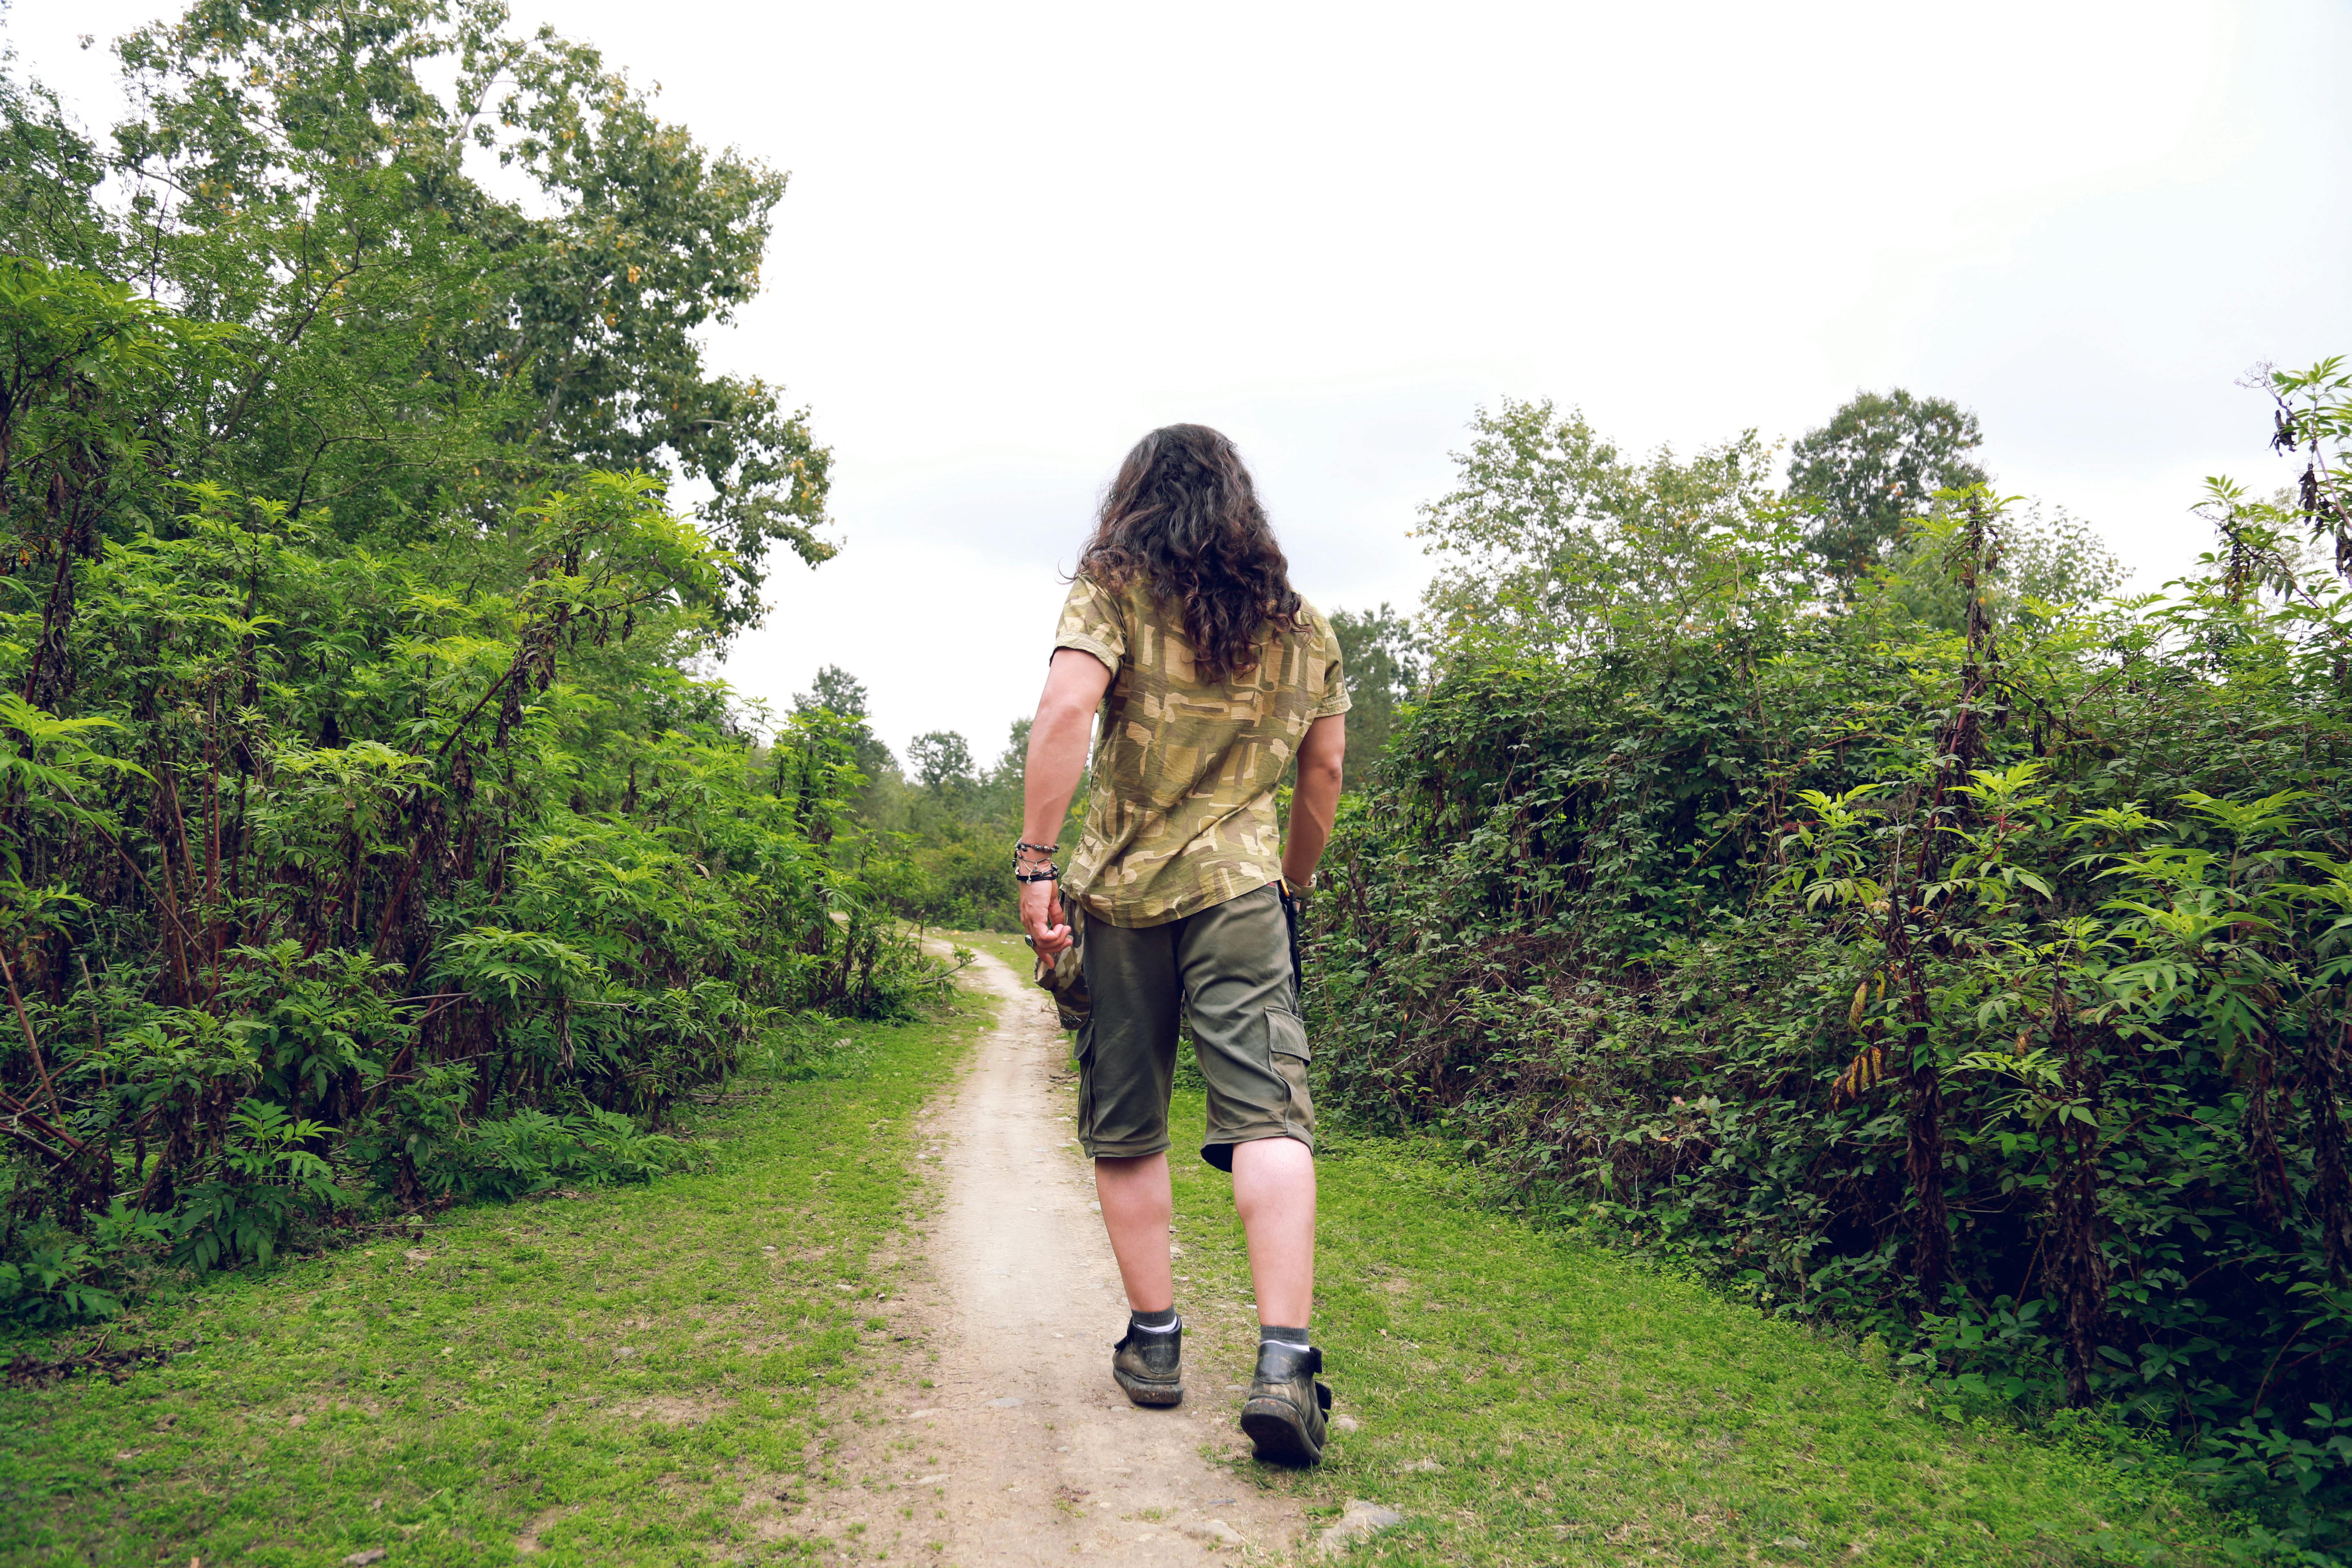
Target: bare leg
1138 1207
1274 1188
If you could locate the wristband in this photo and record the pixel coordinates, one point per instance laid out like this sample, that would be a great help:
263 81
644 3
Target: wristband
1045 872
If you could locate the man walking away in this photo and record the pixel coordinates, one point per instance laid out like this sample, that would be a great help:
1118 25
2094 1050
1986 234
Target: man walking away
1211 675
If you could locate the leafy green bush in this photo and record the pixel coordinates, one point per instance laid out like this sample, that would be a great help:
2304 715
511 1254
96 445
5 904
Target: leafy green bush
367 836
1979 985
531 1152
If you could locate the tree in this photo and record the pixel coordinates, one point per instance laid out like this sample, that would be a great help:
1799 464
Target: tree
2046 555
418 349
842 694
1872 472
1382 659
1001 787
358 796
942 761
378 847
47 170
1553 540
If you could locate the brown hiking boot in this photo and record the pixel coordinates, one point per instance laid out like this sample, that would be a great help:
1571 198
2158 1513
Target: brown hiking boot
1284 1413
1151 1367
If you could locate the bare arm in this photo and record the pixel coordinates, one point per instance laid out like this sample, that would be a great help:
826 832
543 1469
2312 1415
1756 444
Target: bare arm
1314 798
1075 684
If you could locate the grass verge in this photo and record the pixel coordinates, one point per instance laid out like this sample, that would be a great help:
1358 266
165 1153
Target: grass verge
641 1376
1528 1397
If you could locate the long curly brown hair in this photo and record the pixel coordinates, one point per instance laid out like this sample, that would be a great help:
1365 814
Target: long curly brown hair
1183 518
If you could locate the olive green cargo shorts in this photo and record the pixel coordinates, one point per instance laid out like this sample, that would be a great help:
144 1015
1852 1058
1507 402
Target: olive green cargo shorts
1228 968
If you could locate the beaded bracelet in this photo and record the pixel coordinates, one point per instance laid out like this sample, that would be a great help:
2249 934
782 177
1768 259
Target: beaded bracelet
1048 872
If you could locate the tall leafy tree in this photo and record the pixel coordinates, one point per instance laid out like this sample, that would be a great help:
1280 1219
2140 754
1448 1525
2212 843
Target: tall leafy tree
942 762
1870 474
366 835
1555 539
418 346
842 694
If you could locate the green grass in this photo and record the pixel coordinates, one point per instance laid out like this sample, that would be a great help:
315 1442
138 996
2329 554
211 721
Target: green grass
1528 1397
1524 1397
623 1377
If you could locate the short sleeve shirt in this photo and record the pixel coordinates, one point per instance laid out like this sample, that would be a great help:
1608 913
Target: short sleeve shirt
1181 816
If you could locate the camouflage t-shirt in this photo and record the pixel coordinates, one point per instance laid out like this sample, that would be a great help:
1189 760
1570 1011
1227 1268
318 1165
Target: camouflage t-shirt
1184 773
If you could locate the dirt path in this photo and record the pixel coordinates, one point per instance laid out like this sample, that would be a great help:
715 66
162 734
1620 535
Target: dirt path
1025 1451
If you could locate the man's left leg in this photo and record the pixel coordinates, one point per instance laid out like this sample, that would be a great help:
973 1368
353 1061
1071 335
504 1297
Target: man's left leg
1139 1210
1127 1057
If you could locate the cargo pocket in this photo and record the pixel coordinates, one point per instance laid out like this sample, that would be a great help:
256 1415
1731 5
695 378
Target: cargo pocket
1286 1033
1285 1039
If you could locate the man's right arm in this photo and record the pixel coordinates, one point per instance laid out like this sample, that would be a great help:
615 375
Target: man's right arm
1075 684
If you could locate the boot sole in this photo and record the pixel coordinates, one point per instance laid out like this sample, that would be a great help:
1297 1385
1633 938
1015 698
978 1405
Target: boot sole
1142 1393
1280 1436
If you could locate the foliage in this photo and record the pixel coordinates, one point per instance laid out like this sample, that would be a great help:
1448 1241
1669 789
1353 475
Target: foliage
955 826
2046 556
1979 983
1554 538
942 761
842 695
320 183
1869 476
367 838
1382 658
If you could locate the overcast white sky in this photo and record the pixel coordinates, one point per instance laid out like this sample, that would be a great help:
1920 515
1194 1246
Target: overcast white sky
1017 236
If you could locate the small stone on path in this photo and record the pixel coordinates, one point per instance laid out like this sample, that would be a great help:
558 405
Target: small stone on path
1347 1423
1007 1402
1422 1465
1359 1521
373 1554
1216 1533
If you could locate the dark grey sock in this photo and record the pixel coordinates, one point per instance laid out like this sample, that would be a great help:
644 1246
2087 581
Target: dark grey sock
1287 1336
1159 1321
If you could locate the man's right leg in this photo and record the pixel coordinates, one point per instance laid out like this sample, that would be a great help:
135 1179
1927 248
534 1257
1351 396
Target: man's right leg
1126 1062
